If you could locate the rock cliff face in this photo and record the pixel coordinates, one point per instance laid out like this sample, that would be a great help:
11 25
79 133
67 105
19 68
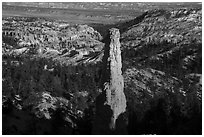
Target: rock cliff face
114 100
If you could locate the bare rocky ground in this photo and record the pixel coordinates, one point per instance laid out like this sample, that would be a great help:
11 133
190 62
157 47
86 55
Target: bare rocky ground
53 70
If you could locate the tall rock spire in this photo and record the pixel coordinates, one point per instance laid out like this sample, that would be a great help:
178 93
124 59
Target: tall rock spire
112 102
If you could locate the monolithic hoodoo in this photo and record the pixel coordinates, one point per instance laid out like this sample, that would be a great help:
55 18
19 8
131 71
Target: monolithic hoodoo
112 102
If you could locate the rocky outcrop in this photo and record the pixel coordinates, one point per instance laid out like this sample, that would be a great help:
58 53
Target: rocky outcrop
156 26
40 35
112 102
114 84
168 41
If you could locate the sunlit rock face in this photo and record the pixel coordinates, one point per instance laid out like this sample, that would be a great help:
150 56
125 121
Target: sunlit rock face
112 102
114 84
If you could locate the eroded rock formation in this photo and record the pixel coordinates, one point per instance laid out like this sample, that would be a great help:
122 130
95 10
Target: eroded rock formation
112 102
